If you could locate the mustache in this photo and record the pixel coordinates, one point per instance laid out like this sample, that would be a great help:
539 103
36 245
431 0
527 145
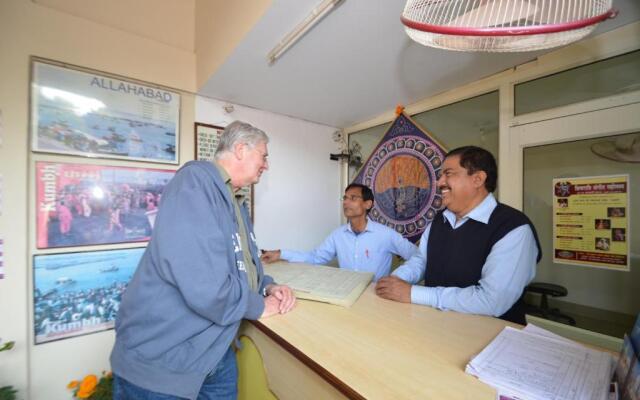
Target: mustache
442 187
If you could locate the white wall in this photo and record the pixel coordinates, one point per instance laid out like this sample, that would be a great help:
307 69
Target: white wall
297 200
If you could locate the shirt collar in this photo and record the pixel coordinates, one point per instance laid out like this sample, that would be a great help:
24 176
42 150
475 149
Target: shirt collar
481 212
369 228
223 172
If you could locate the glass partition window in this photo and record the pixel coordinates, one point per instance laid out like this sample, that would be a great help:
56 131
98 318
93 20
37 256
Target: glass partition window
608 77
472 121
599 299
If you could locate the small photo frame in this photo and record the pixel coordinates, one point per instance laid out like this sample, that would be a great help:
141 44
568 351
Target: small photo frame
603 244
618 235
616 212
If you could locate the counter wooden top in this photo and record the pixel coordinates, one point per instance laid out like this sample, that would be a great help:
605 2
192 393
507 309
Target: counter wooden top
380 349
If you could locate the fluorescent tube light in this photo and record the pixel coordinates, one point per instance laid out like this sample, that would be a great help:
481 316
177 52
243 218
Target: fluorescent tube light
309 22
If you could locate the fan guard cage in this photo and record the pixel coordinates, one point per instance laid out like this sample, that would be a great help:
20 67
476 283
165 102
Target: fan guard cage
502 25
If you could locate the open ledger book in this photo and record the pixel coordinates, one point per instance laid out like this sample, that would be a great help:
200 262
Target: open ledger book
327 284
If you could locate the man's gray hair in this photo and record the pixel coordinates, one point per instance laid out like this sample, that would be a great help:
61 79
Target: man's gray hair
239 132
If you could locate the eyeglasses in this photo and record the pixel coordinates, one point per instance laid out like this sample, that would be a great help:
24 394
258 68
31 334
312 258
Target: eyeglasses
352 197
264 155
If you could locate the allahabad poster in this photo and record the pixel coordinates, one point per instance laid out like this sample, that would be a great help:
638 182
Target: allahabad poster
79 293
591 221
80 204
88 114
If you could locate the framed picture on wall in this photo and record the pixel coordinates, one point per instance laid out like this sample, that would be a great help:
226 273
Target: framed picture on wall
80 204
207 138
79 293
94 115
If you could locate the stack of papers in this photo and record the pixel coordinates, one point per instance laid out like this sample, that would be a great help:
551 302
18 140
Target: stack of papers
532 364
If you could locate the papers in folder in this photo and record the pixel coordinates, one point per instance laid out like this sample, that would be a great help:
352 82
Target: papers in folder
327 284
534 364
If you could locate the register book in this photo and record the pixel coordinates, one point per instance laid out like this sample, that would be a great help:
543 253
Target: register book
314 282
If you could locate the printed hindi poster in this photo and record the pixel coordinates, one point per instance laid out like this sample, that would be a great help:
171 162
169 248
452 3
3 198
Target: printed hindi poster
93 115
80 204
591 221
79 293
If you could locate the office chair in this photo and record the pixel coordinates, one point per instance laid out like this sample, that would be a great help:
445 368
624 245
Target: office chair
543 310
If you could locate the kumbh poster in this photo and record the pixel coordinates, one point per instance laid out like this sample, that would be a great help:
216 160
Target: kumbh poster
80 204
591 221
92 115
79 293
402 172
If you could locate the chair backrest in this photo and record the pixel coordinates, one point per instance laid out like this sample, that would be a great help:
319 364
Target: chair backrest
252 380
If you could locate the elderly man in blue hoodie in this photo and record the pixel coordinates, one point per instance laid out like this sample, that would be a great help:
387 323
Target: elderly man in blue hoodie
198 279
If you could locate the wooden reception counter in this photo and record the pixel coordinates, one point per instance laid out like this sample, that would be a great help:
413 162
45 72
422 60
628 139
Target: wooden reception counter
376 349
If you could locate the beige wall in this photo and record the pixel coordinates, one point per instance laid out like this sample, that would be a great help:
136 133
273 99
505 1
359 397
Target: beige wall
28 29
166 21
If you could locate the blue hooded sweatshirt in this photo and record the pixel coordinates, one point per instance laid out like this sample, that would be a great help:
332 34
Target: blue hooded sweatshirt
183 306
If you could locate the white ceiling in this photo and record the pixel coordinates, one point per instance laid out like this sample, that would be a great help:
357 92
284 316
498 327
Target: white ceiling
355 64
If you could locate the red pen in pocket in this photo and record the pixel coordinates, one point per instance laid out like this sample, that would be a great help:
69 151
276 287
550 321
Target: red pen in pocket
366 253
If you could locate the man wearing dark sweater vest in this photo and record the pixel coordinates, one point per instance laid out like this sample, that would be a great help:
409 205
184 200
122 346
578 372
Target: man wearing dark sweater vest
477 255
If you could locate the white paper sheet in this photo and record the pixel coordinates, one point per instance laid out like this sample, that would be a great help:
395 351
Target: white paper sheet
533 366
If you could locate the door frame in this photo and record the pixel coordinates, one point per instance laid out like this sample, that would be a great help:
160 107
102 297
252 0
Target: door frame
605 122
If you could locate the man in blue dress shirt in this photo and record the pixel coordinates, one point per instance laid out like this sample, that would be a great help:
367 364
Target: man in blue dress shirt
360 245
477 255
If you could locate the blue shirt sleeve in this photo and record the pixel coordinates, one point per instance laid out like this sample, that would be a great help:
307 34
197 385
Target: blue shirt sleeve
401 246
510 266
320 255
413 270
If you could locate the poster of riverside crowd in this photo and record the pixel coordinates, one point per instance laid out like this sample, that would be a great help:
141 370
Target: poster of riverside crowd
87 114
79 204
79 293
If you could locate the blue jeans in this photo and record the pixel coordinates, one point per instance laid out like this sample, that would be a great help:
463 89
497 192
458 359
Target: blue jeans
220 384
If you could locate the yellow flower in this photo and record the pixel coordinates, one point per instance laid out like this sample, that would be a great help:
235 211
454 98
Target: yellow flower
73 384
87 387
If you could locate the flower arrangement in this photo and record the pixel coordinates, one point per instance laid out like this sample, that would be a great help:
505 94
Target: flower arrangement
93 388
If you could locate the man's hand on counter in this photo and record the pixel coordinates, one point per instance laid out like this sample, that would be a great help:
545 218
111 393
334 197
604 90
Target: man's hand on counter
279 300
270 256
394 288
